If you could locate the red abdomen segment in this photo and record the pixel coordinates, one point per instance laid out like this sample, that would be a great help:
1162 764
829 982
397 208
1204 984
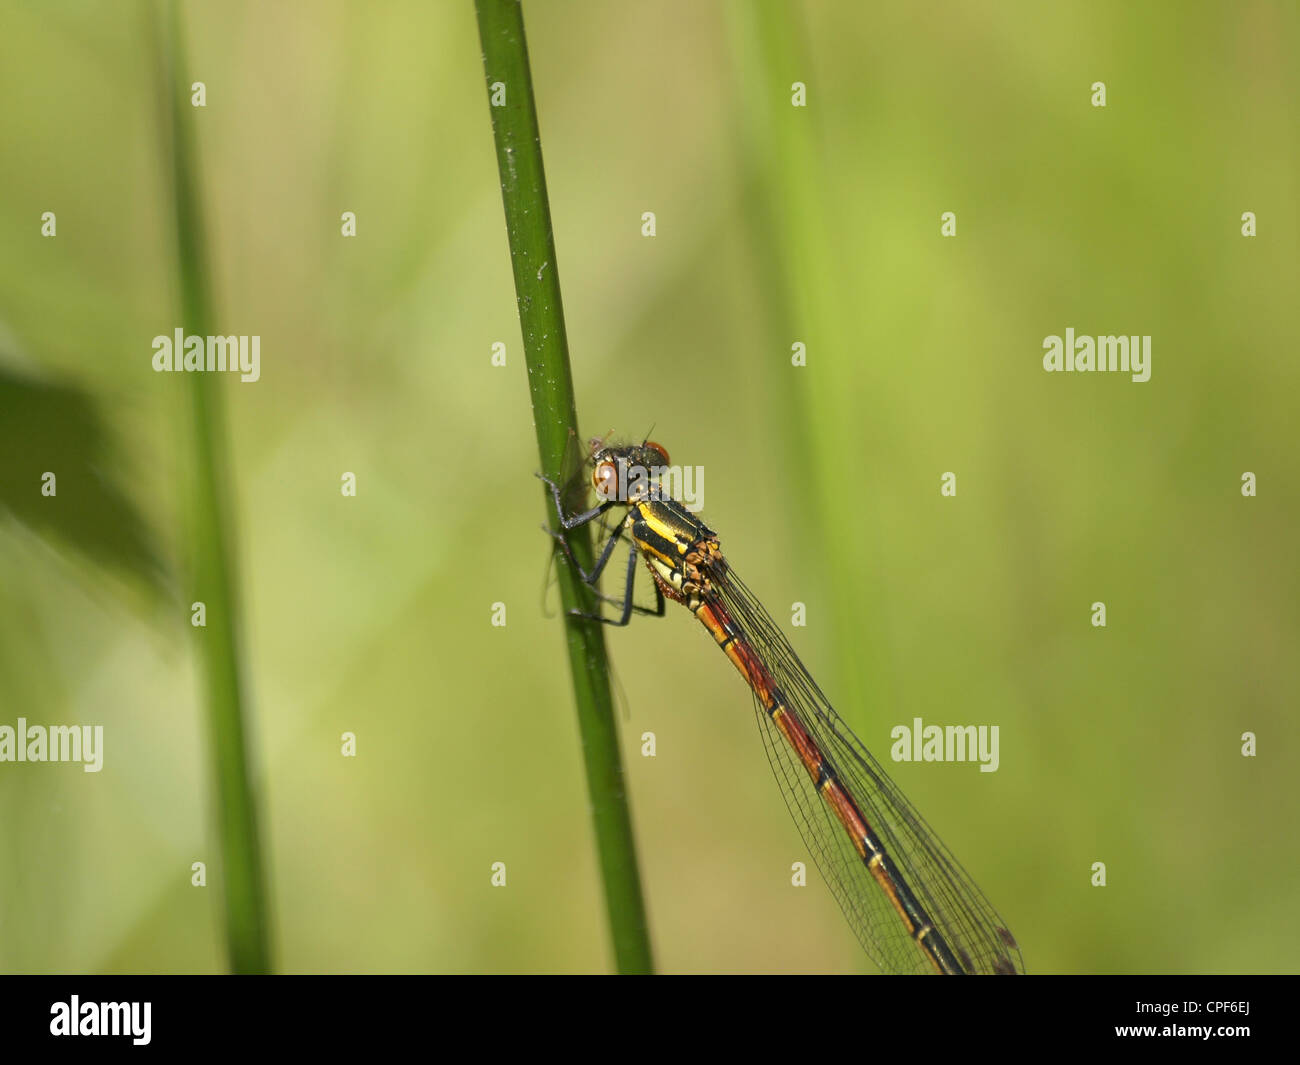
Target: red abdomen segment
724 630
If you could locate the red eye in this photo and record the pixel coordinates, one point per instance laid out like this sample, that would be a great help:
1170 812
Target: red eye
663 453
605 480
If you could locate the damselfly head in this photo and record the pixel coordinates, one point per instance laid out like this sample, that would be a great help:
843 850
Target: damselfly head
626 472
659 450
604 478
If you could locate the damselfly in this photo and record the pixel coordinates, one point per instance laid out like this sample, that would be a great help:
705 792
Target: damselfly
911 905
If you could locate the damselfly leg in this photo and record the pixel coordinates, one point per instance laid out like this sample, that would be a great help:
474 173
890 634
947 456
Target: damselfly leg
626 604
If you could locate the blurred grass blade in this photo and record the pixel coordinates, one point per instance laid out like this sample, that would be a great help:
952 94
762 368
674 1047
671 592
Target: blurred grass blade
54 428
537 287
806 280
209 529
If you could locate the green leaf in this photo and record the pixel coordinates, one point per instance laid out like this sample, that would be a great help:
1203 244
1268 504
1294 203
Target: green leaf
54 440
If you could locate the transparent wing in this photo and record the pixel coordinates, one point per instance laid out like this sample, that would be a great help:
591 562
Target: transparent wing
975 933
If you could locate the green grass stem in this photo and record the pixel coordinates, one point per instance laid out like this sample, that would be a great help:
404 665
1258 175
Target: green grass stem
214 579
550 382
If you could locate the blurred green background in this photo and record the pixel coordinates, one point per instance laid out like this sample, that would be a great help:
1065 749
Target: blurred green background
774 225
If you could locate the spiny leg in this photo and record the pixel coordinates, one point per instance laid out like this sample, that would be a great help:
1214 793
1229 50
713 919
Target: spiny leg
628 605
574 520
591 578
596 570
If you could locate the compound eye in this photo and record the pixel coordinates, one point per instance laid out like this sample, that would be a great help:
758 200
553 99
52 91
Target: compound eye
660 450
604 479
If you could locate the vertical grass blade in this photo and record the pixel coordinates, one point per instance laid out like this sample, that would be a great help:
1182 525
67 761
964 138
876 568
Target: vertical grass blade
541 318
210 519
772 50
